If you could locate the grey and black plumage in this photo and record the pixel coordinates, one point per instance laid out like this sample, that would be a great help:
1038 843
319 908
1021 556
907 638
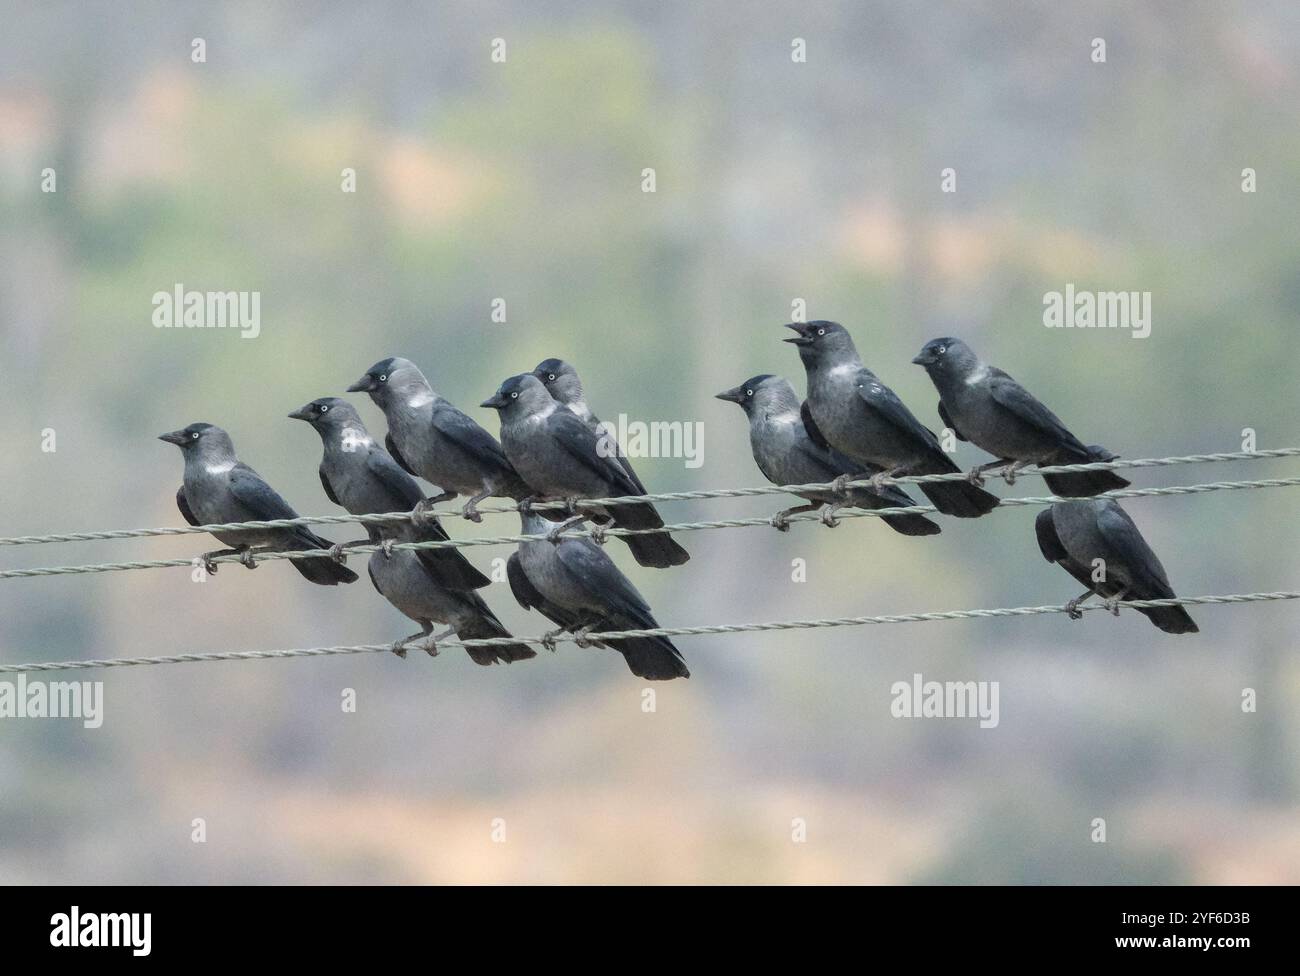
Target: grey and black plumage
564 385
426 585
791 452
577 586
431 438
985 406
561 458
864 419
1073 534
360 476
218 488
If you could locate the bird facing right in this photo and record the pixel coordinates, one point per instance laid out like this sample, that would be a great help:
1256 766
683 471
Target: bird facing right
1096 542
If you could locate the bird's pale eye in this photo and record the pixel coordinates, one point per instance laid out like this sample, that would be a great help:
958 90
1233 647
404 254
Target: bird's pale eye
194 436
383 377
550 376
821 331
942 350
323 408
749 393
514 396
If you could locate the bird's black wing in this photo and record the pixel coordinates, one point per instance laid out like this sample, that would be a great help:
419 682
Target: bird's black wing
596 573
888 406
581 443
259 500
329 492
810 425
397 455
1013 397
618 454
398 485
470 437
1054 551
530 599
1049 543
947 422
1125 544
183 504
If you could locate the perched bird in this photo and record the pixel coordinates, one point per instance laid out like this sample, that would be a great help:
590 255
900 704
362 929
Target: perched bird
572 582
559 457
562 383
359 475
218 488
987 407
861 417
1073 534
426 585
790 452
430 438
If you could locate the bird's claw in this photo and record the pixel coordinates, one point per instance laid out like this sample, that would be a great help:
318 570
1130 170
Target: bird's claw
976 477
780 521
337 553
1112 604
581 639
547 640
840 483
571 505
597 532
431 647
209 564
879 480
386 547
1072 610
399 648
470 511
246 557
827 516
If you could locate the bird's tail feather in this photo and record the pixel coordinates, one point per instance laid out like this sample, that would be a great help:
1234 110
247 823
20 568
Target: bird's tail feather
1172 620
485 625
911 524
959 498
1083 484
652 658
319 569
656 549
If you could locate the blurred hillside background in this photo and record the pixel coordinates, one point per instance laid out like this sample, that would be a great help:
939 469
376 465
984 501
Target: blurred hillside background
776 181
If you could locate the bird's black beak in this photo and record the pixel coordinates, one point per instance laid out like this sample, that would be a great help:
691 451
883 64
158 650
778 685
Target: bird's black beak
302 413
364 385
496 401
735 395
802 339
177 437
923 358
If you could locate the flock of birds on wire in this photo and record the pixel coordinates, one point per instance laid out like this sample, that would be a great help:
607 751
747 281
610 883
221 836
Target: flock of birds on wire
850 428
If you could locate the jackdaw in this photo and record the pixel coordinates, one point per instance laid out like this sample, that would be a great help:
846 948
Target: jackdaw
573 582
425 584
985 406
431 438
562 383
790 451
561 458
1074 534
218 488
861 417
360 476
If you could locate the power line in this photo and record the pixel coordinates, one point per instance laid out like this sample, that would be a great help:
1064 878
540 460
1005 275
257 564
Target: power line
599 534
901 618
672 496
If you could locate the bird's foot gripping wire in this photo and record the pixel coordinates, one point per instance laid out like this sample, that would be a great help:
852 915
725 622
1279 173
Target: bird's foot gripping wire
553 535
1072 607
431 645
470 510
246 557
840 483
1009 472
882 479
598 530
580 636
386 547
338 551
423 513
827 515
547 640
780 521
1111 603
976 474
